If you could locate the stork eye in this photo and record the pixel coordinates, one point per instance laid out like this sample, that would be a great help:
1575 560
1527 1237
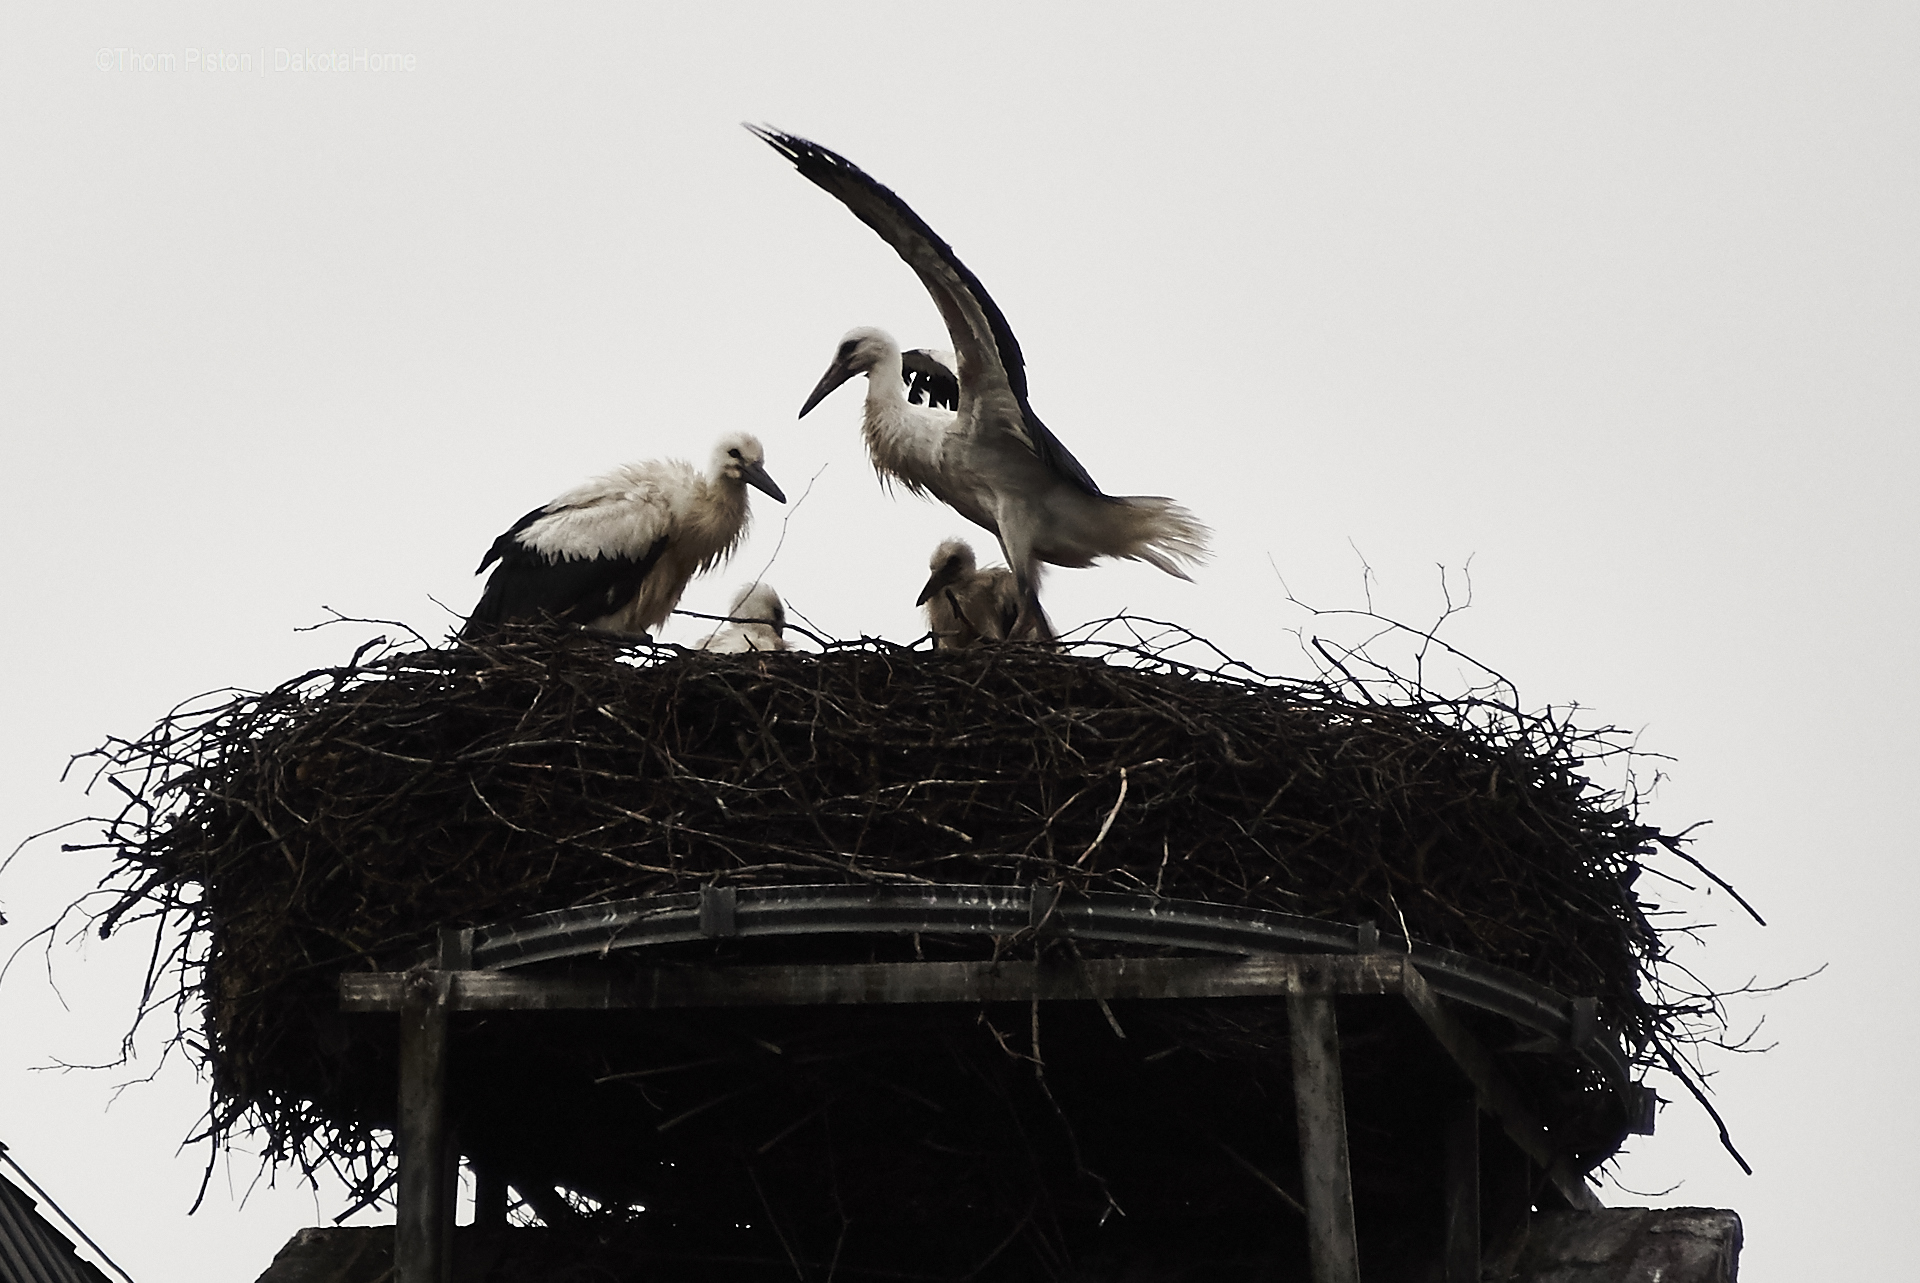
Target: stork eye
735 453
846 349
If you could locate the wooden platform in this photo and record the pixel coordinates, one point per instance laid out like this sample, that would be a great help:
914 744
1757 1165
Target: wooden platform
568 962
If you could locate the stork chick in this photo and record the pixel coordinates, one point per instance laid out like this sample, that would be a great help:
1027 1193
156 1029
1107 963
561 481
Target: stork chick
757 621
967 607
617 552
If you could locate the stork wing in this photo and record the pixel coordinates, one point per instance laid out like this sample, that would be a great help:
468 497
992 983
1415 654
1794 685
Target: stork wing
580 557
528 586
992 371
506 544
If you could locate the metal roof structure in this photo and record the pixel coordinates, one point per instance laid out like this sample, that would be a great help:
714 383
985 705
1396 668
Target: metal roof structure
31 1250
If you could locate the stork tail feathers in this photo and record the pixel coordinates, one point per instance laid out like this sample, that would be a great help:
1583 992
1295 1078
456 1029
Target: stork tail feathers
1161 533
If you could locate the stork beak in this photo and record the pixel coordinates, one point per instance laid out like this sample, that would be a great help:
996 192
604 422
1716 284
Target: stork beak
837 373
755 475
933 586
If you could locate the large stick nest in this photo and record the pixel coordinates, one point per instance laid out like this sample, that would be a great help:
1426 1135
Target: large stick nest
335 822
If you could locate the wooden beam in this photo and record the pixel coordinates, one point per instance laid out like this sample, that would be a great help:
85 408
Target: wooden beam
1497 1094
422 1225
602 989
1462 1179
1321 1106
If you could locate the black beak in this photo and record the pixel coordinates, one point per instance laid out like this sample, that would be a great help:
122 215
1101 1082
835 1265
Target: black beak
837 373
933 586
755 475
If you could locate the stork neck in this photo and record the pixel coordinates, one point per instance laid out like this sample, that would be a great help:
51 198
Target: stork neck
725 503
885 387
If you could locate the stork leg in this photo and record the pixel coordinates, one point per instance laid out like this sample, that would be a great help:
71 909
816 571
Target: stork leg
1034 625
1031 623
1016 545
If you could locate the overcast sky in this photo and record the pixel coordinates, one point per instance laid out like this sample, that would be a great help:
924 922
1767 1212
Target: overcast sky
1617 301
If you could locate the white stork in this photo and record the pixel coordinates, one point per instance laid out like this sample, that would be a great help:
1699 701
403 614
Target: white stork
617 552
755 621
967 606
990 459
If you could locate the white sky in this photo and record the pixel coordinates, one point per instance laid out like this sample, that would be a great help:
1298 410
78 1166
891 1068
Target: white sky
1619 301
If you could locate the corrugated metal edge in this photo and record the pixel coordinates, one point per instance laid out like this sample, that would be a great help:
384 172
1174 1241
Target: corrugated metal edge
31 1249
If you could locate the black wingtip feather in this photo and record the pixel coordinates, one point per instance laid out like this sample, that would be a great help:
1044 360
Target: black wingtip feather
928 380
529 586
821 165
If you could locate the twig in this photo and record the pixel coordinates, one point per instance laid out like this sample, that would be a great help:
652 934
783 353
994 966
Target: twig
1106 824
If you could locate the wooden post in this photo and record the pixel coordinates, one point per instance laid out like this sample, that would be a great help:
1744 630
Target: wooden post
1320 1102
449 1192
422 1226
1463 1192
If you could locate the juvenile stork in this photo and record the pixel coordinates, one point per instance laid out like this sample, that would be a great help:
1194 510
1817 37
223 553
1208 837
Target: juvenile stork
967 606
756 621
991 459
617 552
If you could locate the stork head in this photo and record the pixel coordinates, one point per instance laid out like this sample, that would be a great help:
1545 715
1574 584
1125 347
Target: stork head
758 603
950 561
740 459
859 352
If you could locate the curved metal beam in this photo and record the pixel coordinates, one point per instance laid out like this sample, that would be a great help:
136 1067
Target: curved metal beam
960 909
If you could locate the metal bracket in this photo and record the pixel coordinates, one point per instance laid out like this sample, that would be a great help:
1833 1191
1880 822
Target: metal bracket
1584 1025
455 949
1642 1104
717 906
1045 900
